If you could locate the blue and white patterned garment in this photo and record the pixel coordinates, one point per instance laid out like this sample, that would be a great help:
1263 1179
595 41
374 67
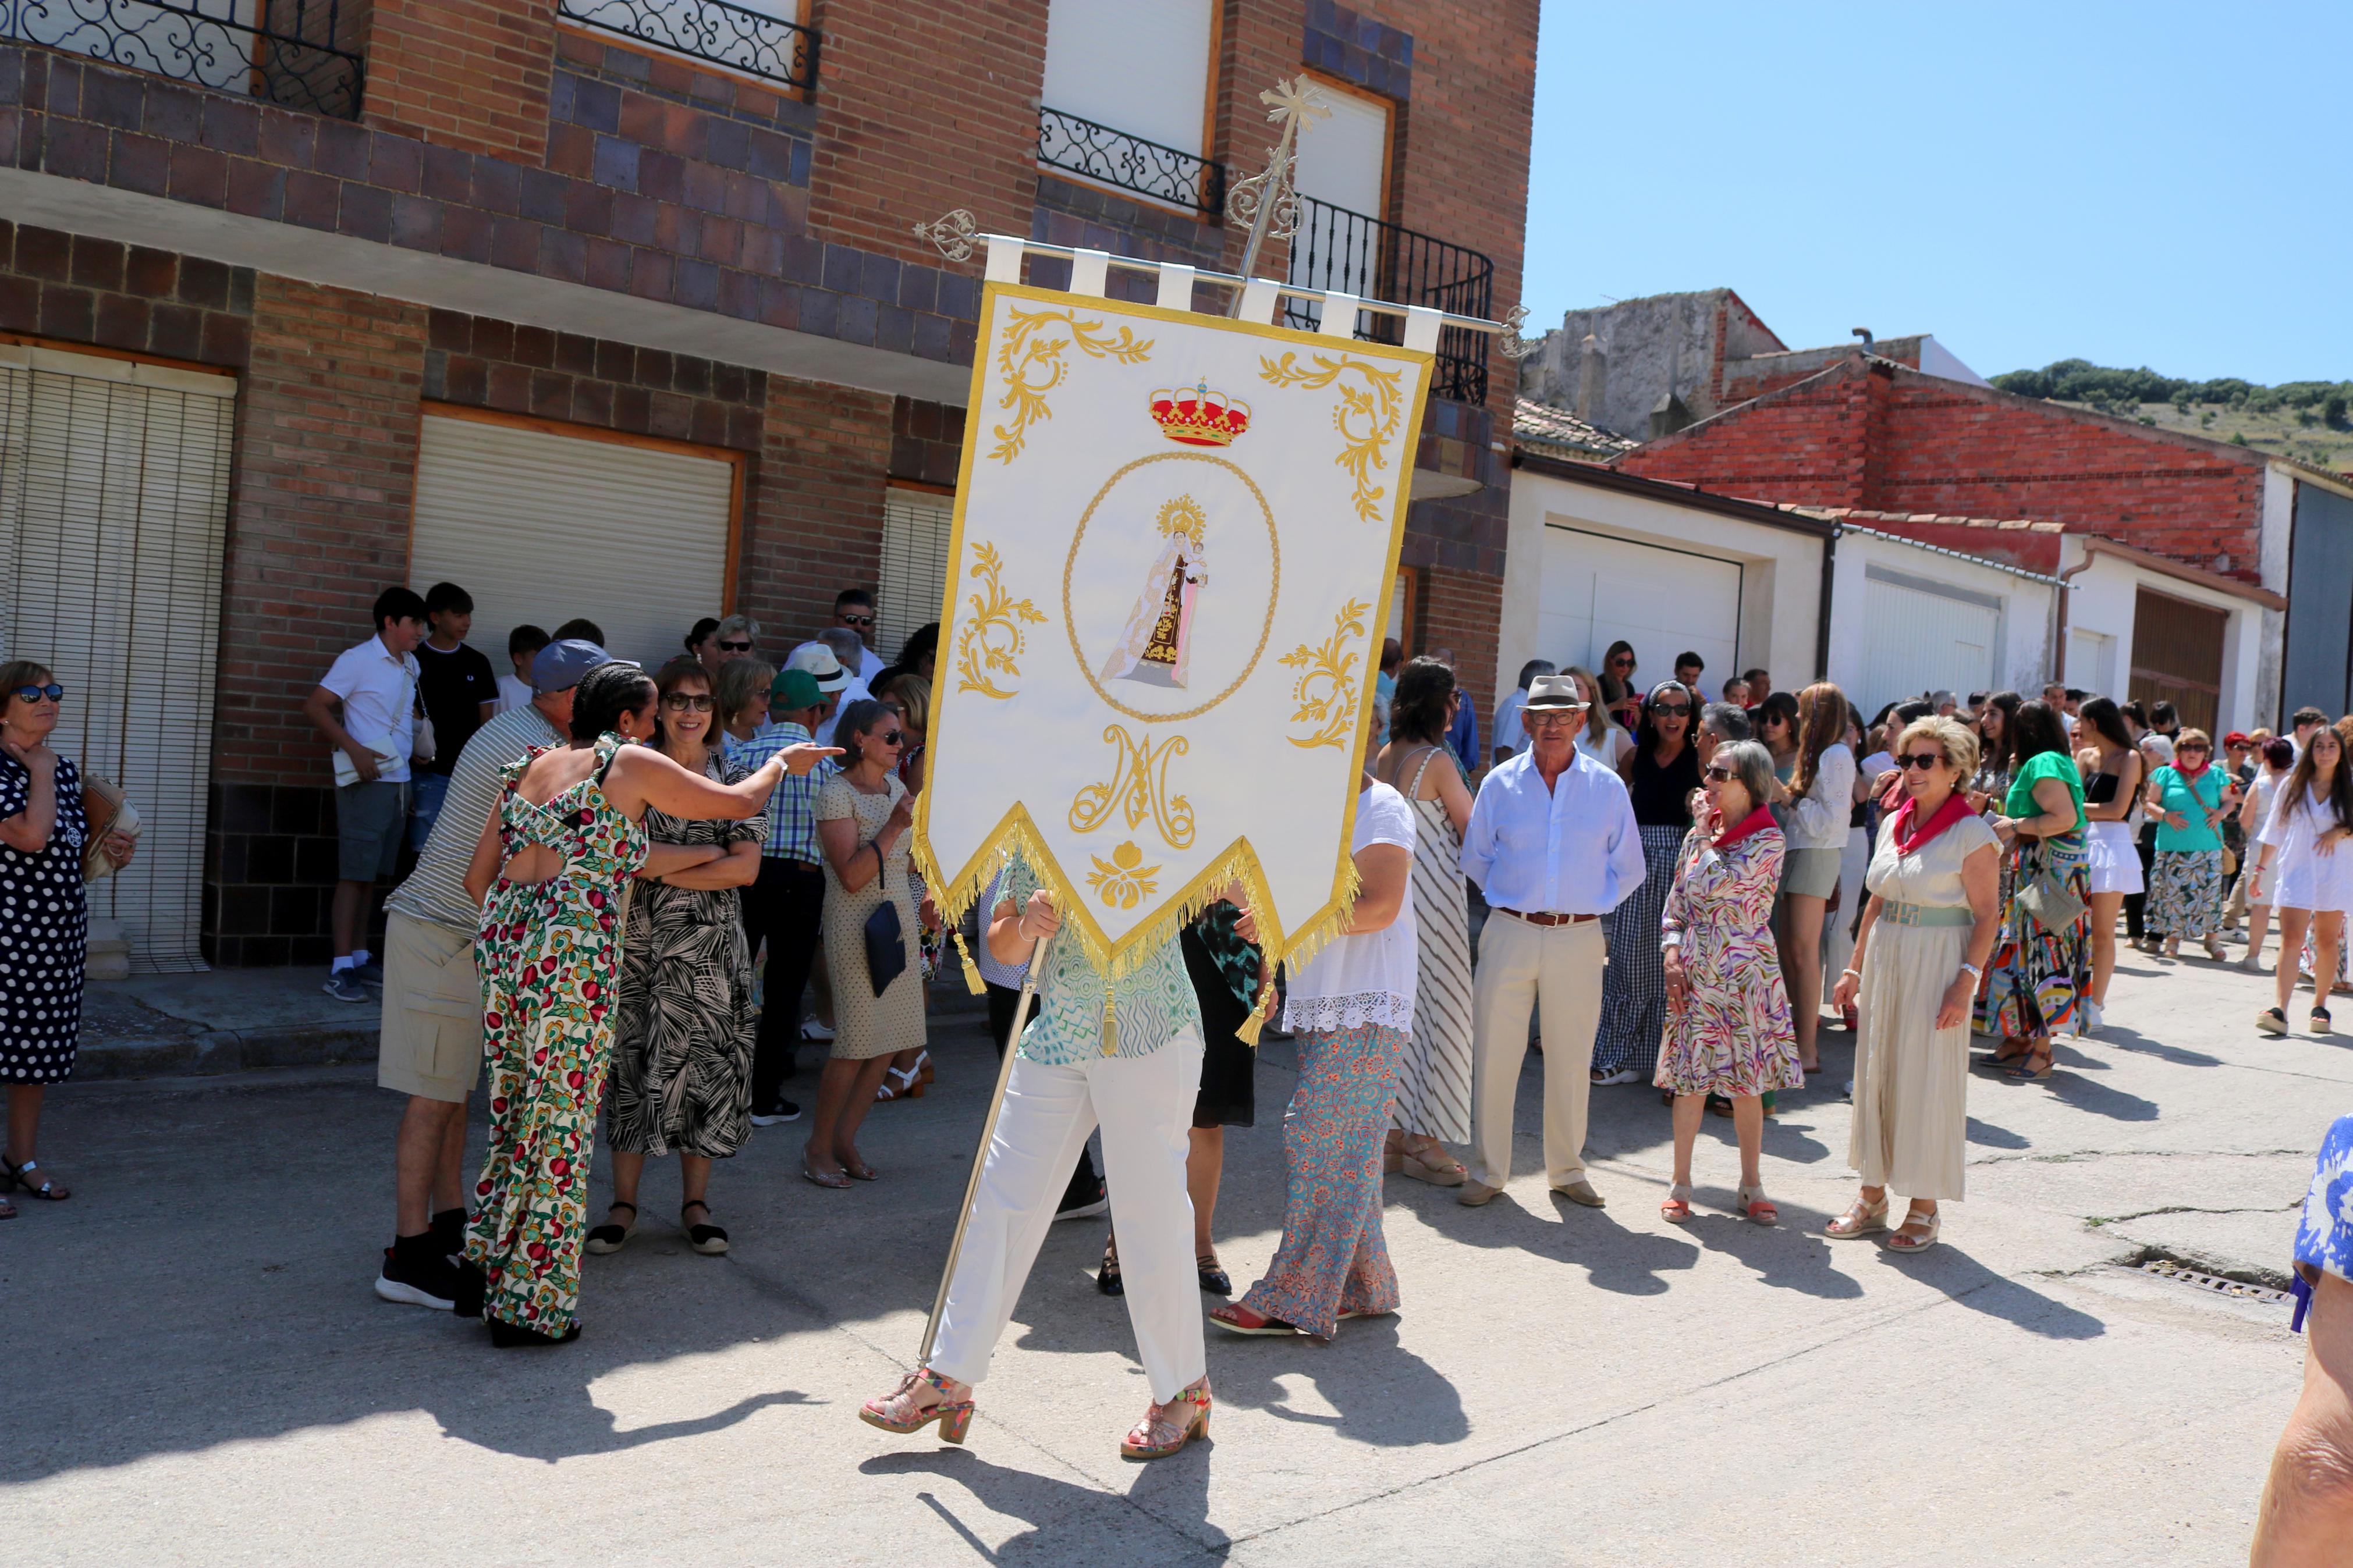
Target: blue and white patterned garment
1154 1002
2324 1237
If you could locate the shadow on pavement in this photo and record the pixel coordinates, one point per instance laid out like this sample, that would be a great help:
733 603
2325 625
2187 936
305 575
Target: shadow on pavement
1386 1395
1791 1255
2131 1040
1169 1498
1985 1135
1969 1283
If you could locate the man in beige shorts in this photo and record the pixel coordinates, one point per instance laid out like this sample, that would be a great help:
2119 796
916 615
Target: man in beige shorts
431 1049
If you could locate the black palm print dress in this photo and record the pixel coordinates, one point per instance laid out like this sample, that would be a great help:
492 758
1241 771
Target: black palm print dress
682 1052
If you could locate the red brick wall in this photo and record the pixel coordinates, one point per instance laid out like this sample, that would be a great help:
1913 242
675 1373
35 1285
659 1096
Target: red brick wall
1460 612
470 74
78 289
815 522
1894 440
326 450
924 108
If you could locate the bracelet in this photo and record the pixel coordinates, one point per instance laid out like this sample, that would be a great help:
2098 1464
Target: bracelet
1844 973
1973 971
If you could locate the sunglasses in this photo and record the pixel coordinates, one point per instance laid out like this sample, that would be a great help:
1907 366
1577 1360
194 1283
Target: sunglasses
53 692
679 701
1671 710
2194 746
1621 659
1719 772
726 646
891 737
856 620
1924 760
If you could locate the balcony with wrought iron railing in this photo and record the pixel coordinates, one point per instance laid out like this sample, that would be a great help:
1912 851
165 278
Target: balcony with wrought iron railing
296 54
1334 247
750 38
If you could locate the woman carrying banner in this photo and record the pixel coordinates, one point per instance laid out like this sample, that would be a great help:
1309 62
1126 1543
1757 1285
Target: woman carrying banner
1135 1072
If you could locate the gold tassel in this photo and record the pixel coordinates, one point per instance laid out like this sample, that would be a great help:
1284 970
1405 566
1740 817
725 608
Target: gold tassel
1111 1022
971 971
1248 1033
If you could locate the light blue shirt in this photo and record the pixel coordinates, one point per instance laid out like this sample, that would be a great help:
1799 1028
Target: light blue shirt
1152 1005
1573 850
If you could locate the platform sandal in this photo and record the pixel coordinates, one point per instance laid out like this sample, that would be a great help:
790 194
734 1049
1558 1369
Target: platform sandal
1676 1208
1860 1219
1760 1209
1166 1428
1900 1242
901 1411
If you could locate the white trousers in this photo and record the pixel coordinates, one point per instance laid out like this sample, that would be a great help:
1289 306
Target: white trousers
1557 972
1144 1106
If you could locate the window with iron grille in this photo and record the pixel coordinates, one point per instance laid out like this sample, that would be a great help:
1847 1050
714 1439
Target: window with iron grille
296 54
759 38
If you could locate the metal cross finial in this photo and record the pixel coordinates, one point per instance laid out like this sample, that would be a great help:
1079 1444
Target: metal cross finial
1511 345
952 234
1268 202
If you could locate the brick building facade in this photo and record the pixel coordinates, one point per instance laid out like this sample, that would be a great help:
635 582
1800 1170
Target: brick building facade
489 208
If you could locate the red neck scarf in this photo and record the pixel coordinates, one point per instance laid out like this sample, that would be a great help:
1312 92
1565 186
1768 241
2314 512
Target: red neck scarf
1910 836
1754 822
2189 777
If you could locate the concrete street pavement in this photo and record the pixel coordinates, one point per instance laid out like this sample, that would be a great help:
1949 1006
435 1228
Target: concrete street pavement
199 1373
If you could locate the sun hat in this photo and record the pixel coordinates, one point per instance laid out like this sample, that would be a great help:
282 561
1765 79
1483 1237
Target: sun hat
817 660
1554 691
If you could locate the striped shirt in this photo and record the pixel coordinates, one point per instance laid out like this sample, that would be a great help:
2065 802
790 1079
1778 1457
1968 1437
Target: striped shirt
792 810
436 891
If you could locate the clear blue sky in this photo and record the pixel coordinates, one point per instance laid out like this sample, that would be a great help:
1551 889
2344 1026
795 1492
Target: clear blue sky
2154 183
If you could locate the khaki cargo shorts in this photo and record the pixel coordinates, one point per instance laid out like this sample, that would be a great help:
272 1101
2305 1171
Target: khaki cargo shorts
432 1041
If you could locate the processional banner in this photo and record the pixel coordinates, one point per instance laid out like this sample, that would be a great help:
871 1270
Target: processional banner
1176 537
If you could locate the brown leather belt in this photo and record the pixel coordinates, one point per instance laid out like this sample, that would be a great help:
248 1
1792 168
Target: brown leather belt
1546 920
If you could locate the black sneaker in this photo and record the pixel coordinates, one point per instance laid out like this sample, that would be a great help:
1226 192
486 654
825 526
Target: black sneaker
776 1111
417 1278
1081 1203
344 987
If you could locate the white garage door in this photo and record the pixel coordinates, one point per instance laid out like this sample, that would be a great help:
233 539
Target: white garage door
1919 637
1597 589
114 510
540 527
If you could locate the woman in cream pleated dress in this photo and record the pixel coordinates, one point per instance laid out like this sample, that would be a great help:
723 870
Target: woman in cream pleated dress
1927 931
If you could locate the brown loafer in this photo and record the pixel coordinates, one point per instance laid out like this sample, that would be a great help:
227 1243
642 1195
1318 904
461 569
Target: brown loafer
1471 1195
1583 1193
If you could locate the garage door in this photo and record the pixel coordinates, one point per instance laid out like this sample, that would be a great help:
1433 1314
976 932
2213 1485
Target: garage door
1597 589
114 510
2176 657
540 526
1920 637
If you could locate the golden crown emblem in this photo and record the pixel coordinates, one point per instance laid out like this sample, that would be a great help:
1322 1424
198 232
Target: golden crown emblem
1196 416
1183 515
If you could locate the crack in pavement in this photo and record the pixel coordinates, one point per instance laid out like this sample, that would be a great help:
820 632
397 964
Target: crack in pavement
2097 1220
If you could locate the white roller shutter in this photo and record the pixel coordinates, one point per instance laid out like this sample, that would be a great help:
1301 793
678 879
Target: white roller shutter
915 528
113 512
1137 66
540 527
1344 160
1919 637
1598 588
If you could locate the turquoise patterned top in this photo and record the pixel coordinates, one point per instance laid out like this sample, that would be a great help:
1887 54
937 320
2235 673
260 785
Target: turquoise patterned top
1153 1003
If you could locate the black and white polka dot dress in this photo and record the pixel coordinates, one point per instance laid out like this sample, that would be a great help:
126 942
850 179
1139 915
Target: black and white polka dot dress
44 934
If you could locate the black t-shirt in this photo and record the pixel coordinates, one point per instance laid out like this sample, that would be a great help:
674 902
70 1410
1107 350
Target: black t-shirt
453 686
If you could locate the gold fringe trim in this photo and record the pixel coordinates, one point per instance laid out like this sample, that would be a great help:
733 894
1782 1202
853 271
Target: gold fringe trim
1016 835
972 982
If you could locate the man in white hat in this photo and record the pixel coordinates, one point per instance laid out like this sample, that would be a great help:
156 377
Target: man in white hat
1554 846
832 680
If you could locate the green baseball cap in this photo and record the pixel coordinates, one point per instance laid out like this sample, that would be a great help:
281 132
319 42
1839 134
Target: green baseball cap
794 690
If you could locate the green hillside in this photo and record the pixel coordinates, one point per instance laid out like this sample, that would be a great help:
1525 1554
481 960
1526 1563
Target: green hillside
2308 420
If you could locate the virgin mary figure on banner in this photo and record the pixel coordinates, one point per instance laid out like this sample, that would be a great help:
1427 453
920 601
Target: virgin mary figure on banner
1156 645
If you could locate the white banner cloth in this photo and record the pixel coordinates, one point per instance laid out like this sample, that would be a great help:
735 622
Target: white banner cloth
1176 537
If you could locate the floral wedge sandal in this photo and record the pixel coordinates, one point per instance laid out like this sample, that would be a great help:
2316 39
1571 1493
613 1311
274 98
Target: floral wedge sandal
921 1398
1166 1428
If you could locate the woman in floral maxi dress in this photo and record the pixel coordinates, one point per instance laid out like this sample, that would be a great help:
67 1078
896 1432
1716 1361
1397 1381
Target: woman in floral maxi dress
551 866
1729 1030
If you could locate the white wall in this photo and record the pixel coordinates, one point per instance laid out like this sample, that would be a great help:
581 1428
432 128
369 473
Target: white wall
1781 578
2024 660
2104 602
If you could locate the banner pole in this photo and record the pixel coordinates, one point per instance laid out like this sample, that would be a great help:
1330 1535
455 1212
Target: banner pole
1038 951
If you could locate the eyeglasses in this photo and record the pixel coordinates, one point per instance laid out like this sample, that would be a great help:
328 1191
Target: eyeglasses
1671 710
1546 716
1924 760
679 701
53 692
1718 771
726 646
856 620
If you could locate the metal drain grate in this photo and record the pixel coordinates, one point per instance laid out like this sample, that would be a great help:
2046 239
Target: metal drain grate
2166 1268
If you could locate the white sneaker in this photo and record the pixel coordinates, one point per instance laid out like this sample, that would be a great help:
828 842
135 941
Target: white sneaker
2092 1018
2252 963
813 1030
1623 1075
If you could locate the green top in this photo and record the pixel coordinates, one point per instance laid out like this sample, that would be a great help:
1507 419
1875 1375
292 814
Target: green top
2193 801
2043 765
1153 1004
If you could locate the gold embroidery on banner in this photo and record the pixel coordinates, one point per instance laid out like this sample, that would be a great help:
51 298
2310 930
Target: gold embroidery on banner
1123 880
1033 365
1138 787
1365 416
1326 687
990 642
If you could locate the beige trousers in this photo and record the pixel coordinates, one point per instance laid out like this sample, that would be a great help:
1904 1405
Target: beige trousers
1556 971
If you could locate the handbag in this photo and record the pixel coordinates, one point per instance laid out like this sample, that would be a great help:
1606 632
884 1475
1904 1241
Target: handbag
105 810
2051 907
886 946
